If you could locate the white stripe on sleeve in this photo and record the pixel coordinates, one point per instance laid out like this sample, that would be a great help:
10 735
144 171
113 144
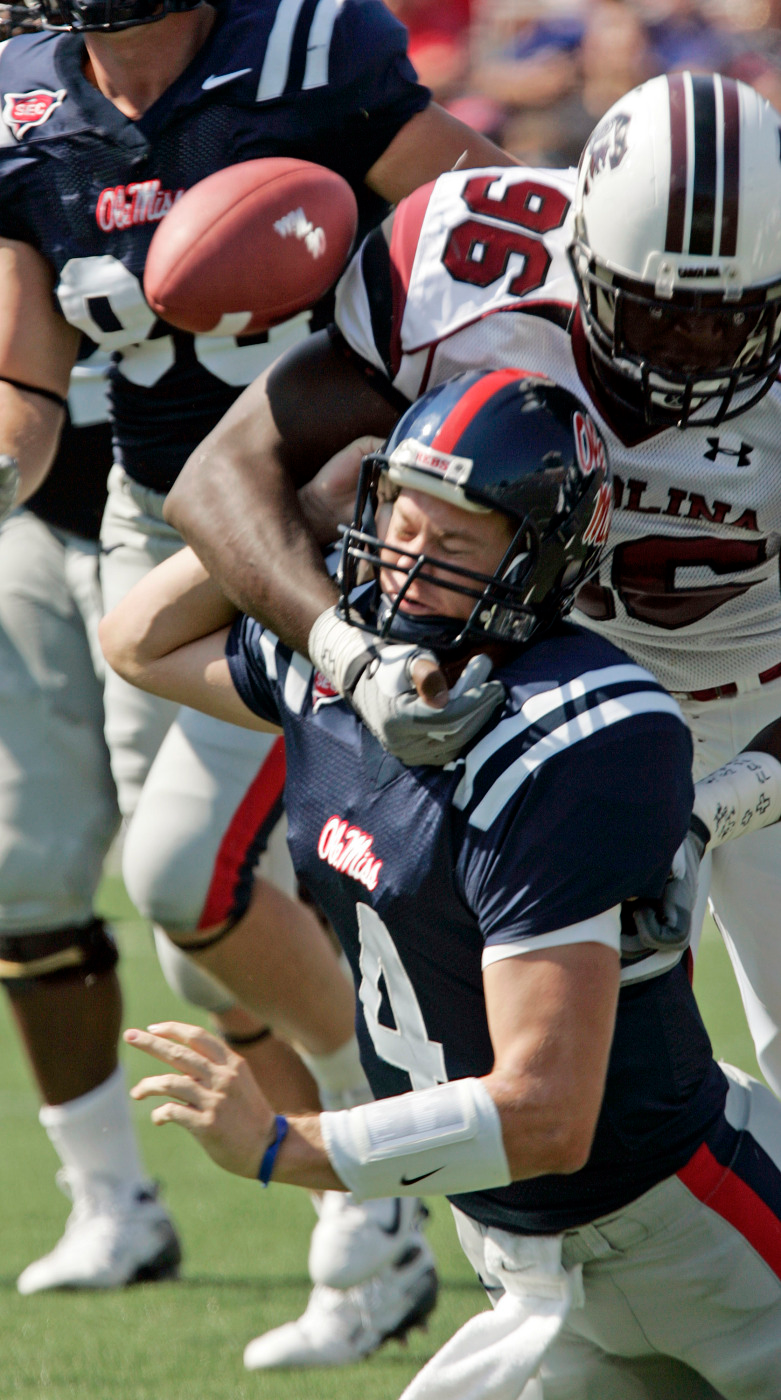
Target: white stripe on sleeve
319 46
533 710
571 732
299 674
276 64
268 647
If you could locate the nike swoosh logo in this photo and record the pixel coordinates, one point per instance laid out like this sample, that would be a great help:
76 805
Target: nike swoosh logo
217 79
410 1180
395 1225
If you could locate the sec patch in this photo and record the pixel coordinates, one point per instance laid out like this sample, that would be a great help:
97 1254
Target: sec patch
23 110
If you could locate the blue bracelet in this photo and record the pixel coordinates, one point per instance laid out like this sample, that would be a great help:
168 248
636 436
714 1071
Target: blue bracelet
270 1154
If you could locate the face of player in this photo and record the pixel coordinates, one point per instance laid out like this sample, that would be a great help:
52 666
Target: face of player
423 524
686 342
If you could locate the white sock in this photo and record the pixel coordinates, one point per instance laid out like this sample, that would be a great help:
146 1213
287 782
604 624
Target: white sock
339 1077
94 1137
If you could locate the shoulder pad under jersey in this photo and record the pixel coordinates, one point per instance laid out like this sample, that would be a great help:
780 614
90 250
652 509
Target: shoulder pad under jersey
464 247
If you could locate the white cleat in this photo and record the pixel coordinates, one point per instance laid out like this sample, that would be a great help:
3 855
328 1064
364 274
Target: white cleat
109 1241
340 1327
351 1242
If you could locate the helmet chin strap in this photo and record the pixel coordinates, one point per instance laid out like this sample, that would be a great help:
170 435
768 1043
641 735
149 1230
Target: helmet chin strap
432 631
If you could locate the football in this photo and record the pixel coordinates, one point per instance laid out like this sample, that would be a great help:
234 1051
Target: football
250 246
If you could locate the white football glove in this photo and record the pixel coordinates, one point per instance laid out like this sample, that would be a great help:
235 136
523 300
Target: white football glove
376 678
665 924
9 484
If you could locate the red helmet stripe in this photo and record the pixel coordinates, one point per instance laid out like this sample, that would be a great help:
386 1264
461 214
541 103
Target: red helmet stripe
676 208
470 403
729 218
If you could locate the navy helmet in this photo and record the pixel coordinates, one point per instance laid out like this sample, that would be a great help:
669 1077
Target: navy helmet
496 440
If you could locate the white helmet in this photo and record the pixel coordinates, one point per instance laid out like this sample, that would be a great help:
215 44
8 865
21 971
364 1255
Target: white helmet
677 248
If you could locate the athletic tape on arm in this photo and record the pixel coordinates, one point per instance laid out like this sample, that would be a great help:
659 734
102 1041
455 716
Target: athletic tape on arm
744 795
449 1137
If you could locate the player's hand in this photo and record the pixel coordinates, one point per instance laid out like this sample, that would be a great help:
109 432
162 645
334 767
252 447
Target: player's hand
328 500
665 924
213 1094
401 694
9 484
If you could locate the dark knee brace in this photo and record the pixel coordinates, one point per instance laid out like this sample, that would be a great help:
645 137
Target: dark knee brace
210 940
30 958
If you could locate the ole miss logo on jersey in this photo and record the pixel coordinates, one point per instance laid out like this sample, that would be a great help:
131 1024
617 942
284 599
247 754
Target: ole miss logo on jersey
23 110
348 849
143 202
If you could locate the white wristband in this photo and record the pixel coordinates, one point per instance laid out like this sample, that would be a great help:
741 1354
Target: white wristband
445 1140
342 652
743 796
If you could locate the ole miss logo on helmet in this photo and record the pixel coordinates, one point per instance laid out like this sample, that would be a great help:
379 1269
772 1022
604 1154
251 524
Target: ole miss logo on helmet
24 110
591 457
588 445
598 528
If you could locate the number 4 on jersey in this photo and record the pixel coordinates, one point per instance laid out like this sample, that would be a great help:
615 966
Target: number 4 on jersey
408 1046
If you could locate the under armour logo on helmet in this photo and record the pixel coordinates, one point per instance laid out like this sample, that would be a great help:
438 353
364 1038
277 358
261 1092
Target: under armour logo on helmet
743 453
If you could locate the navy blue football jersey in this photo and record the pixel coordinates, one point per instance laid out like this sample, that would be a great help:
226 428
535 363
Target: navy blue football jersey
571 801
321 80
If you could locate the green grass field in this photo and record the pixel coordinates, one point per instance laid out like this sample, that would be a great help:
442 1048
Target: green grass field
245 1264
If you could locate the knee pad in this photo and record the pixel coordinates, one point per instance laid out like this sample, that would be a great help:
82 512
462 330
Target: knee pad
30 958
165 873
189 981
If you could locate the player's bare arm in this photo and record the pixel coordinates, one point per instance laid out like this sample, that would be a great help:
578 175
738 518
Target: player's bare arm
235 500
168 635
37 352
431 142
551 1018
235 503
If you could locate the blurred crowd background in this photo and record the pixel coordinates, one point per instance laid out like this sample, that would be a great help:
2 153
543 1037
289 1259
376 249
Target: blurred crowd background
536 75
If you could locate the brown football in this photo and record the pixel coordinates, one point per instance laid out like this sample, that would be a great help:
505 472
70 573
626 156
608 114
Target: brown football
256 242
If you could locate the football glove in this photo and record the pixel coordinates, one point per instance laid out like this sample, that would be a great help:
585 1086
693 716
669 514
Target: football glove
665 924
376 678
9 484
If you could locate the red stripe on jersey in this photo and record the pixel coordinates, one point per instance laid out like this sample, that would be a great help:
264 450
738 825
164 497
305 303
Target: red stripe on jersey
676 208
722 1191
255 808
729 215
461 416
405 236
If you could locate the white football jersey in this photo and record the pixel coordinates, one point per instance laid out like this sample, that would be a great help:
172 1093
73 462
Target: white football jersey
476 276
